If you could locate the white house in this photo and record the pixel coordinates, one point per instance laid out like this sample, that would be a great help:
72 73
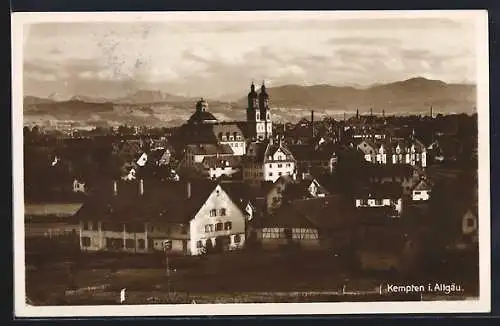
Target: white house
369 150
267 161
219 224
138 217
422 191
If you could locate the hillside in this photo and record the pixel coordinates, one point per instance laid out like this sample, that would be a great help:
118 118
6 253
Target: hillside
288 102
410 96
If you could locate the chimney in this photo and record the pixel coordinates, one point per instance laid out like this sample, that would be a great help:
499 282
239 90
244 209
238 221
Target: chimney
141 187
371 112
312 122
115 188
188 186
431 111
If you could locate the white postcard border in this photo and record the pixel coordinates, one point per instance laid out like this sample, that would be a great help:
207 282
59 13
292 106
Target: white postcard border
472 306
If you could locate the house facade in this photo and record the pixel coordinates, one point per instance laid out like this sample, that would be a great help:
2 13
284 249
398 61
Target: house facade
142 221
411 152
267 161
422 191
218 225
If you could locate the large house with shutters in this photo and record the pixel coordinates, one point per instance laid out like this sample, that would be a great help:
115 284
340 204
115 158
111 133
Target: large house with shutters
138 217
411 152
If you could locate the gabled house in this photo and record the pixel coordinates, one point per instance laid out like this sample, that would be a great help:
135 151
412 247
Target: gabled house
267 161
369 150
289 190
140 216
422 191
411 152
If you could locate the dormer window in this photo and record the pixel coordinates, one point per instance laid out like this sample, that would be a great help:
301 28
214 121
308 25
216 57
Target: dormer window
258 116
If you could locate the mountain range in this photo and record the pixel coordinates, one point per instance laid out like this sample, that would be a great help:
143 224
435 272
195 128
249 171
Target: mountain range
288 103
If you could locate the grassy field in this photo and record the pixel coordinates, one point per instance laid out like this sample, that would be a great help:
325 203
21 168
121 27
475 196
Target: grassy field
236 277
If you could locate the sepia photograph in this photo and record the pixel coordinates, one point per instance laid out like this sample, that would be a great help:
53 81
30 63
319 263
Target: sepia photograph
250 163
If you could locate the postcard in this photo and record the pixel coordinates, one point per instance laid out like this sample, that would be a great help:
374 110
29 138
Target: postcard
250 163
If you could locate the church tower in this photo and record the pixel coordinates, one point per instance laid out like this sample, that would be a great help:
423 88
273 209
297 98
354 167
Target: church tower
253 105
258 113
264 126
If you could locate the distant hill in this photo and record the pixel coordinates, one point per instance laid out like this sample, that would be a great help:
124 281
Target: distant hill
149 97
288 102
32 100
410 96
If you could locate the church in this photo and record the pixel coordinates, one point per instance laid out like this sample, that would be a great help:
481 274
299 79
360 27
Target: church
204 128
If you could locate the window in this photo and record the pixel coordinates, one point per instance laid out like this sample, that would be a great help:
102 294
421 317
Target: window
129 243
270 174
237 238
270 166
378 202
209 228
280 165
417 192
470 222
86 241
150 243
288 165
199 244
113 243
279 173
85 225
228 226
95 225
364 202
213 212
220 135
222 212
218 226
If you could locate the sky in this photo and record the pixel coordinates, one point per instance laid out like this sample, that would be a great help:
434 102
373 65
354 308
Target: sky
219 59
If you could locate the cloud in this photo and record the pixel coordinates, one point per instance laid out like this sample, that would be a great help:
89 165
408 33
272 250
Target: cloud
214 58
